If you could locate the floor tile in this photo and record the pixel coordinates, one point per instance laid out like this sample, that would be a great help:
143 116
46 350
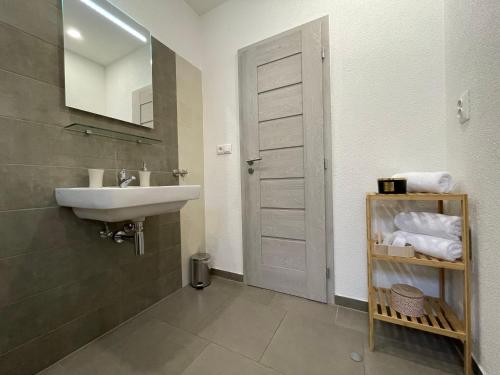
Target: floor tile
312 309
121 332
156 348
353 319
190 309
56 369
238 289
245 327
306 346
289 335
91 359
380 363
416 347
216 360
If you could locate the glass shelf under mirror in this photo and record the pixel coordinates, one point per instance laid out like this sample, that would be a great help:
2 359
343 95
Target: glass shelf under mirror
94 130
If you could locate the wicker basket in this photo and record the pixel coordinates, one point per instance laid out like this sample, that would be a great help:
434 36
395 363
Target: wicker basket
407 300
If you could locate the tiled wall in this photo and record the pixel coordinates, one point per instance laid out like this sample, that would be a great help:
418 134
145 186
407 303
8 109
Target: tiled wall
60 285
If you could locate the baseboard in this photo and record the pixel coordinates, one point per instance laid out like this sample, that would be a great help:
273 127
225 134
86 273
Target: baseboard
227 275
351 303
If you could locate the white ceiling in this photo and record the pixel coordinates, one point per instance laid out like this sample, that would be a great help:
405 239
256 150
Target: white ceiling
103 42
204 6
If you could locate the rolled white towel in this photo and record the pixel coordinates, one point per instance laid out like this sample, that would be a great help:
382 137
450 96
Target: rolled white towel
434 246
427 182
432 224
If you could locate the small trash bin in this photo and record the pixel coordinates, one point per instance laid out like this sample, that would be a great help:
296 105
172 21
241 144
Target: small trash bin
200 270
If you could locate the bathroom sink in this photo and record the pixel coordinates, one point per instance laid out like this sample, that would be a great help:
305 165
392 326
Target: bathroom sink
112 204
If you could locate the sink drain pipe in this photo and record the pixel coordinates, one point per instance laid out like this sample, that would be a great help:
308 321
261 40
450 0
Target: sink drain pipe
137 228
139 237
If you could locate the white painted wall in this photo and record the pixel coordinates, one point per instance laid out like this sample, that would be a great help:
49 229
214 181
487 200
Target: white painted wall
172 22
85 83
388 100
473 62
124 76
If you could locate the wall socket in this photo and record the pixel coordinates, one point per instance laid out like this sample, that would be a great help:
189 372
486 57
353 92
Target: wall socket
463 107
224 149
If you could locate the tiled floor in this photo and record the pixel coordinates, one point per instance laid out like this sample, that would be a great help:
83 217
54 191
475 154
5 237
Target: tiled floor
230 328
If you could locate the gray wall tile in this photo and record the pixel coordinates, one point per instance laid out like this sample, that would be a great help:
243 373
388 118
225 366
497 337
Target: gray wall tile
33 186
45 350
60 284
169 259
46 311
30 56
32 273
31 230
25 98
39 18
52 145
170 233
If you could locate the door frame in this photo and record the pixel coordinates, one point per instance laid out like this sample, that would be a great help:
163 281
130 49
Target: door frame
328 155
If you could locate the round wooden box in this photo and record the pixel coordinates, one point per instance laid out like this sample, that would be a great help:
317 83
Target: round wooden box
407 300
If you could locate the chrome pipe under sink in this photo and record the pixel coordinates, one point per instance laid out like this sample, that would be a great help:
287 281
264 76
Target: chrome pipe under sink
139 237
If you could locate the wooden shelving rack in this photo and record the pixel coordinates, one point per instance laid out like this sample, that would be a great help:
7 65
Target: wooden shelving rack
439 317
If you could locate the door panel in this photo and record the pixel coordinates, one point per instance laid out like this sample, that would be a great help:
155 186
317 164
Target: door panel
147 113
277 49
282 163
282 193
283 223
284 279
285 132
142 106
278 252
284 72
283 183
282 102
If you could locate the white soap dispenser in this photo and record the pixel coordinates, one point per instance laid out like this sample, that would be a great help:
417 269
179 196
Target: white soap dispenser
144 176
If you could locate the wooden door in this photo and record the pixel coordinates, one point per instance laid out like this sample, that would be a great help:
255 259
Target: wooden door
283 189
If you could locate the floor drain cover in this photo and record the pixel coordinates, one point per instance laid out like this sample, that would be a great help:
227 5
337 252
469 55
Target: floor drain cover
356 357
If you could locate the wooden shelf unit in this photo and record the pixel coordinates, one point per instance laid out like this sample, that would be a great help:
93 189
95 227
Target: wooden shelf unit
417 197
439 317
421 260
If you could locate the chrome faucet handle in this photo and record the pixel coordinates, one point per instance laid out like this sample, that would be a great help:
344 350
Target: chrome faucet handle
123 175
124 178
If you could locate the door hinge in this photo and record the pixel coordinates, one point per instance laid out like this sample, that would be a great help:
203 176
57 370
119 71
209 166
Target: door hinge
325 163
323 53
327 272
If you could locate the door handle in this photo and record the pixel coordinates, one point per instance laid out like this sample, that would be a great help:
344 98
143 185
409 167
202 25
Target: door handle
251 161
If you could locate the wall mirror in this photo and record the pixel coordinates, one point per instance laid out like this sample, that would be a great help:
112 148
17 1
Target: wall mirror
107 62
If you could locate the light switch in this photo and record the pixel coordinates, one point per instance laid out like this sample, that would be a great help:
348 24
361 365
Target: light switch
224 149
463 107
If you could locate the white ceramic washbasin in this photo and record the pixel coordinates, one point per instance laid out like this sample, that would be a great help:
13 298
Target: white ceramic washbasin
112 204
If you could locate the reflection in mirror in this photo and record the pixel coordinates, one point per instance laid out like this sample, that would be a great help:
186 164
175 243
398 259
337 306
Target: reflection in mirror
107 62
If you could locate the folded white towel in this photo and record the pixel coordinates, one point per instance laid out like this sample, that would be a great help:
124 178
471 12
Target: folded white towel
434 246
427 182
432 224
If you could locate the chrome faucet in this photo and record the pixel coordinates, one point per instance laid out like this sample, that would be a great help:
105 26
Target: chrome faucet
124 178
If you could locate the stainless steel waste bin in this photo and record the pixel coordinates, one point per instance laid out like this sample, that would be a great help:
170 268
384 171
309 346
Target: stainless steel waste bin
200 270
